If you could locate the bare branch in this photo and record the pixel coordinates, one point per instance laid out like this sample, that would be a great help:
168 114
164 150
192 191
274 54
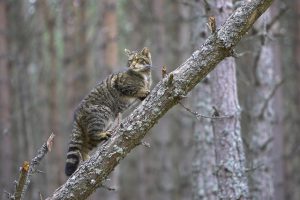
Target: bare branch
146 144
28 170
255 65
187 3
253 168
199 116
267 100
163 97
108 188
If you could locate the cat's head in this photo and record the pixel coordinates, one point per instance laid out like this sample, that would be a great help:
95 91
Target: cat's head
139 61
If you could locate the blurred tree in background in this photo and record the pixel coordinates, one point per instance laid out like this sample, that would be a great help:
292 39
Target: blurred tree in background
52 52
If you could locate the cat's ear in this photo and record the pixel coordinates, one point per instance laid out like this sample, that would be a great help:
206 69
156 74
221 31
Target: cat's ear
128 52
145 51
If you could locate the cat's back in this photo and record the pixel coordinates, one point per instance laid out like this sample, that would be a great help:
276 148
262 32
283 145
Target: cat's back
104 95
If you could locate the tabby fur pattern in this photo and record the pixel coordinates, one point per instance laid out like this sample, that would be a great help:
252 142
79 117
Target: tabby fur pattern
97 112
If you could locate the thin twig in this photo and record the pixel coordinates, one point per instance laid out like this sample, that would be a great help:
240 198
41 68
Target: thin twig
255 64
269 26
146 144
199 116
267 100
187 3
206 6
108 187
40 171
238 55
253 168
9 195
276 18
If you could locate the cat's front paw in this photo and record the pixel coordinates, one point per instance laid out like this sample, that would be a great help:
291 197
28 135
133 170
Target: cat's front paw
104 135
144 95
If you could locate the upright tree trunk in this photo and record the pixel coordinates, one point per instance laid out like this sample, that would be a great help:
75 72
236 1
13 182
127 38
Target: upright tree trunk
230 157
205 185
278 127
291 91
261 109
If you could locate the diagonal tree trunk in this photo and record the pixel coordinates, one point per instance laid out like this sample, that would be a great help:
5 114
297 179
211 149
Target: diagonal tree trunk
164 96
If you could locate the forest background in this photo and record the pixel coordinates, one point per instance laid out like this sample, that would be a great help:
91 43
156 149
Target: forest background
53 52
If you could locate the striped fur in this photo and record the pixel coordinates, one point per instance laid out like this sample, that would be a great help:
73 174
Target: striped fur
97 112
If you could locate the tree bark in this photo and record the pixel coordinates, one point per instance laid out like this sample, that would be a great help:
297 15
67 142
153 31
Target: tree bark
291 92
164 96
230 155
205 185
261 109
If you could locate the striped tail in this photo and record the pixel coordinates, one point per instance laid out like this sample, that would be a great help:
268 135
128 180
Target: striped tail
74 151
73 159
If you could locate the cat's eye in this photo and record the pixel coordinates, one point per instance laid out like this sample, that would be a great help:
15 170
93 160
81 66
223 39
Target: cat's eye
143 61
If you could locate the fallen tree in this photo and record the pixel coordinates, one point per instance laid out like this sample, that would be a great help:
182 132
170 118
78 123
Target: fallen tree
167 93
